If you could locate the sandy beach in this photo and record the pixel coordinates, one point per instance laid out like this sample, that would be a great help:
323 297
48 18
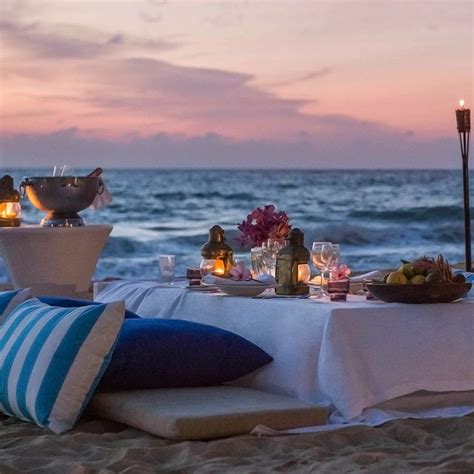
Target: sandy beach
97 446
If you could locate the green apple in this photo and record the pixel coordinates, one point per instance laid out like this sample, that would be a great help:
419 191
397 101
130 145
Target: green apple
417 280
408 269
397 278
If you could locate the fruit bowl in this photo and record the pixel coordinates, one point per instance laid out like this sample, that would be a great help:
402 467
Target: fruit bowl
443 292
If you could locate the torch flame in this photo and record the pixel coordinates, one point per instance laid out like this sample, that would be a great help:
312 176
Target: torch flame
461 103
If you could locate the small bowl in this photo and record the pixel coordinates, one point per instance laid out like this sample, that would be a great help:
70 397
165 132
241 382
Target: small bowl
419 294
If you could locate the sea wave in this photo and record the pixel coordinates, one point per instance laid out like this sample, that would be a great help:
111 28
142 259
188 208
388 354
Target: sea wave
414 214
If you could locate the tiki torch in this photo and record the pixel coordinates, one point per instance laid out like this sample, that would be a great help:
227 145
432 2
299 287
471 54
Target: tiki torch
463 118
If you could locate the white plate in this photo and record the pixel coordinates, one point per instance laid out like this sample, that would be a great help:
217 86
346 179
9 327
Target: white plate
243 290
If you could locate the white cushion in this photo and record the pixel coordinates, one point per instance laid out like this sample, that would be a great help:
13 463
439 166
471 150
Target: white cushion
205 412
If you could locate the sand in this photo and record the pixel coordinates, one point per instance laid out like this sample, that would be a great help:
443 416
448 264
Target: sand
97 446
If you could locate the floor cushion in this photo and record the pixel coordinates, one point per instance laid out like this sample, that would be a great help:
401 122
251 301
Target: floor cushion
51 359
164 353
205 412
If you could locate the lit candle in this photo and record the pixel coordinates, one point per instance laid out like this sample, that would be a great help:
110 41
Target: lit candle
463 118
219 268
304 273
10 210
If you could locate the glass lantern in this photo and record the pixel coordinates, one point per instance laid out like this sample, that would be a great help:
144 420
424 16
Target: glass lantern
292 267
217 255
10 208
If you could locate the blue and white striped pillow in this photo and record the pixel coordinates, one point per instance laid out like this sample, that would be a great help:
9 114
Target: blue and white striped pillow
51 360
9 300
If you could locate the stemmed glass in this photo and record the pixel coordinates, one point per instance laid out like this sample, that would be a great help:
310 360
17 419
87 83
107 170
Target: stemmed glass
336 254
322 256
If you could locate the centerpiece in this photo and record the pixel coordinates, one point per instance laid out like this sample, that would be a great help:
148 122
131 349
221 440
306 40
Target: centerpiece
262 225
264 231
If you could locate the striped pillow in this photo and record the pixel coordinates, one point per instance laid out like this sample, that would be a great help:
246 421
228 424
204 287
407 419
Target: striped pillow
9 300
51 360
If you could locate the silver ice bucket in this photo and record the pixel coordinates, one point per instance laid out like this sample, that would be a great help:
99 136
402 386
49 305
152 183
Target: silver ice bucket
62 197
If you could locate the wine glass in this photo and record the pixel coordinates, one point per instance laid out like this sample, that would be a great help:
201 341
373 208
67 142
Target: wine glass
321 256
336 255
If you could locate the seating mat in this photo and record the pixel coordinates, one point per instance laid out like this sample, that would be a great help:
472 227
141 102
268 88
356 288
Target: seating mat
205 412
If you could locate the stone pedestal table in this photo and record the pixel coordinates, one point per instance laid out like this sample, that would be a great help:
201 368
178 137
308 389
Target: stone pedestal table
53 260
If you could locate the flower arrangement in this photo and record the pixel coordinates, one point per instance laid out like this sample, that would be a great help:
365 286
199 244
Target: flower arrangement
341 272
240 273
263 224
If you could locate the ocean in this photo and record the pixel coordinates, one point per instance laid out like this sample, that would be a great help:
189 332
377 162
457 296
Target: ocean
378 217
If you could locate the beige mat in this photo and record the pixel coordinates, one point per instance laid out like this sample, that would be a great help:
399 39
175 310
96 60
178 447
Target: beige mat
205 412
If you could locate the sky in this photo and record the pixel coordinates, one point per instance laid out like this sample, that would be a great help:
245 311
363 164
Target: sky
233 84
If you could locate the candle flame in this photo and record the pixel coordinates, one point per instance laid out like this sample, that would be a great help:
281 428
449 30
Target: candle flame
461 103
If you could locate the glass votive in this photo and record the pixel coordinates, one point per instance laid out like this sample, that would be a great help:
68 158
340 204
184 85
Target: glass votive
207 266
193 273
166 264
367 293
338 289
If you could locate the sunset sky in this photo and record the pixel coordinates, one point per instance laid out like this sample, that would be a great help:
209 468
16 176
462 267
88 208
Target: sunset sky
306 84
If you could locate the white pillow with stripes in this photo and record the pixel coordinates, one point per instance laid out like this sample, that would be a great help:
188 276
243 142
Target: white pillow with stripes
51 360
9 300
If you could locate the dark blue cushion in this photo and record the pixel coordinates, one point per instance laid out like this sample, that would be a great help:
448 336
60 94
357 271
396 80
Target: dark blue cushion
74 303
159 353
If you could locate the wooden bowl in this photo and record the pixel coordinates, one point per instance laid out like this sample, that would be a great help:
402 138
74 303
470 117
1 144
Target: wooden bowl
419 294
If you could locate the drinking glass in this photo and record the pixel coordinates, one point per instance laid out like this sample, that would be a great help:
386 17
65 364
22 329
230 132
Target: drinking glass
258 263
270 250
166 266
322 257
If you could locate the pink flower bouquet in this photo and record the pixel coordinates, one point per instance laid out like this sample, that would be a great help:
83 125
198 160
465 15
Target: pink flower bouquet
263 224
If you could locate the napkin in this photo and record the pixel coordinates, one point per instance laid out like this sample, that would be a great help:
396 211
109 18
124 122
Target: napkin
375 274
103 199
266 280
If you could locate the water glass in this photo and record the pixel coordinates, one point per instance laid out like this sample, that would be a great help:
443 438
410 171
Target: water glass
166 265
258 263
270 251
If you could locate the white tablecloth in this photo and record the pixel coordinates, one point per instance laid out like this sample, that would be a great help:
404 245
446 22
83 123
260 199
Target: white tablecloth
355 354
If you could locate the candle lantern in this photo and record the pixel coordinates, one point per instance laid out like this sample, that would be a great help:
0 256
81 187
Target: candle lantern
292 266
217 254
463 119
10 208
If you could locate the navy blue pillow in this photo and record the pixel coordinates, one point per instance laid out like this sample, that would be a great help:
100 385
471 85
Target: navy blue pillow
73 303
160 353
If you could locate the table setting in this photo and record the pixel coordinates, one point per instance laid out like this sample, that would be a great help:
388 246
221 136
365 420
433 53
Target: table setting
326 332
